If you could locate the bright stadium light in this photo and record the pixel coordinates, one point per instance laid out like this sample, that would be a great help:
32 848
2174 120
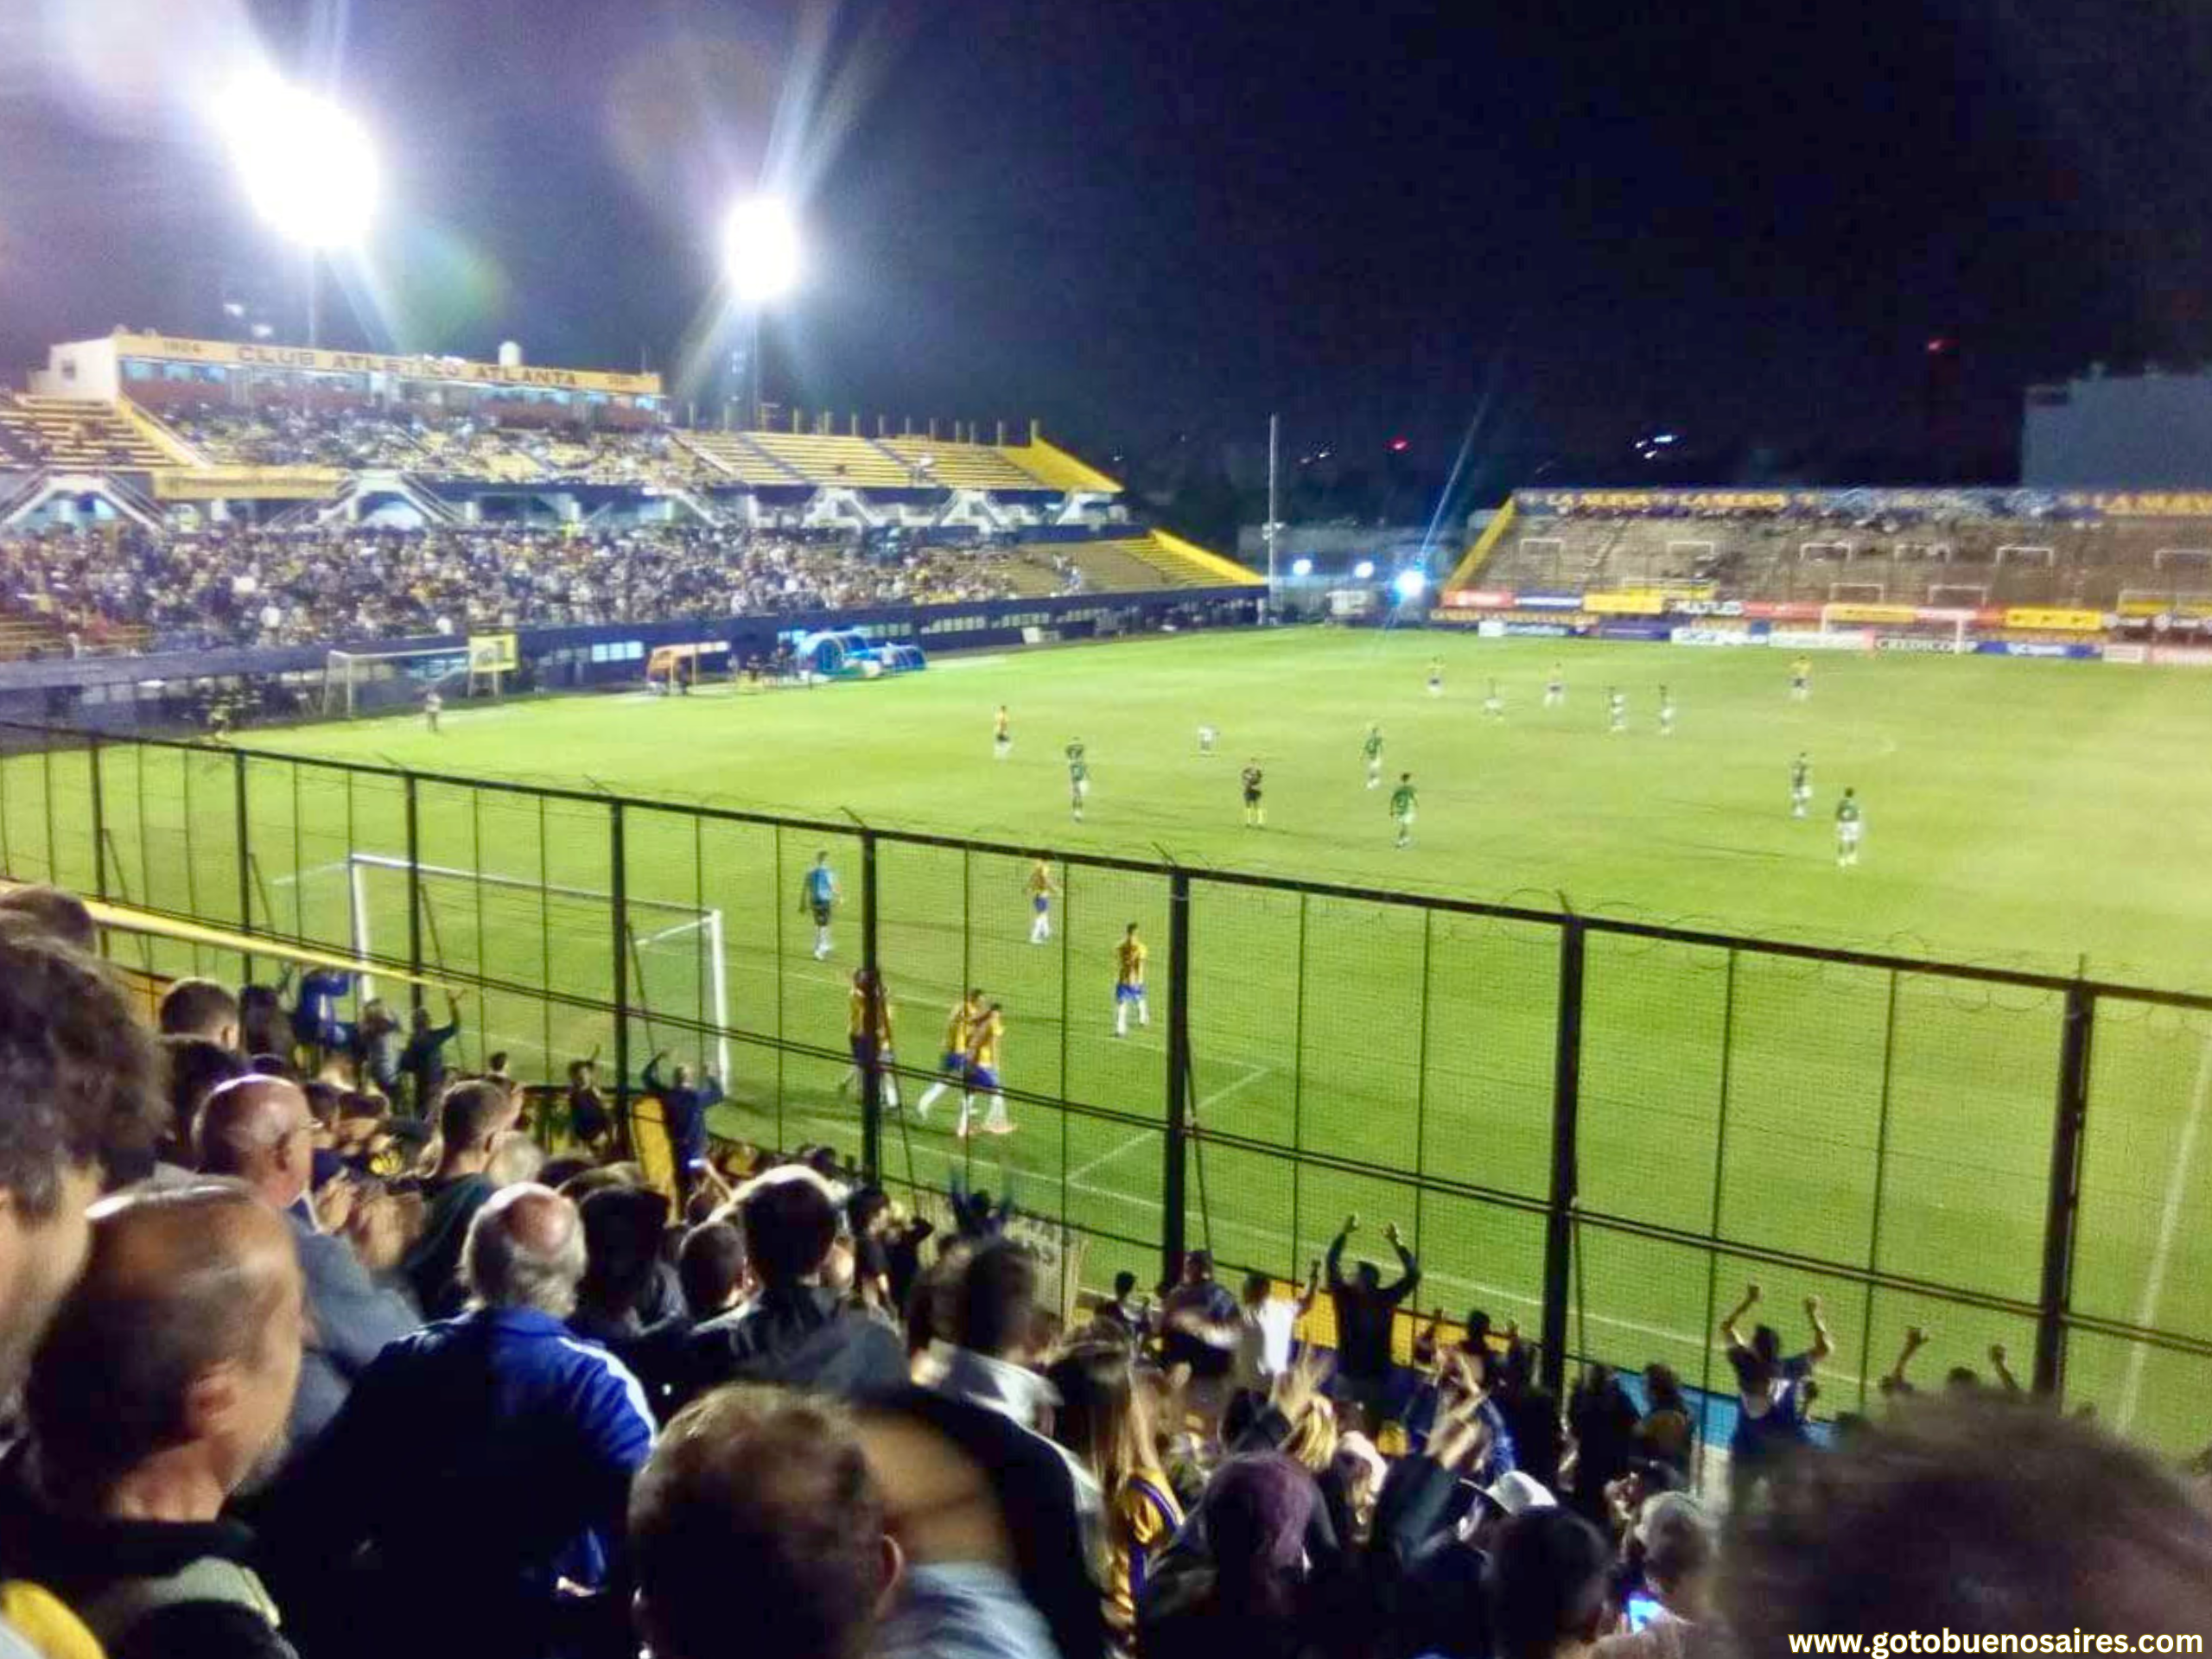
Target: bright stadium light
309 168
760 251
1409 585
1364 570
1301 567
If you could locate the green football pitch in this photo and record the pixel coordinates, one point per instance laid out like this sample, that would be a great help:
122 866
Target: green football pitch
2030 814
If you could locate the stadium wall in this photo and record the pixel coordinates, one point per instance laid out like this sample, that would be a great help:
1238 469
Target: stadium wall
123 694
1579 1015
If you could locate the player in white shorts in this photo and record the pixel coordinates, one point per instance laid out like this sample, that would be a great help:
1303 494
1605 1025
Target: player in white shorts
1666 714
1494 705
1556 688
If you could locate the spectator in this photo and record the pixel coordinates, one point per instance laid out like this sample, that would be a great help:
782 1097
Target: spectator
185 1331
378 1045
623 1227
1253 1598
194 1067
711 1268
522 1441
514 1159
1124 1316
902 1252
200 1008
423 1060
684 1109
262 1026
766 1502
1966 1513
1265 1326
1366 1310
868 1215
588 1118
1770 1398
256 1129
975 1443
316 1023
1528 1412
1667 1433
1102 1419
1601 1420
1199 1326
1544 1587
795 1330
1674 1617
49 913
472 1116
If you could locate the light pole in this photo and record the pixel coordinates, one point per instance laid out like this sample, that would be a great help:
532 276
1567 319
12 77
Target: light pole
761 261
309 169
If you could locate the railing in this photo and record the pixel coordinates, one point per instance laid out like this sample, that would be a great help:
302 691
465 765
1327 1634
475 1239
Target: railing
1599 1129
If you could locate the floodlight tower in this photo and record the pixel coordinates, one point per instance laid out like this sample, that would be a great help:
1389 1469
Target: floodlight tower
310 168
761 260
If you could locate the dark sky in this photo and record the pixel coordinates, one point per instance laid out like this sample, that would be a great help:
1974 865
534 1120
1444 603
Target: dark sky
1132 217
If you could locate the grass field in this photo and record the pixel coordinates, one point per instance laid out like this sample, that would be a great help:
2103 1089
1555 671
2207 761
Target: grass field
2026 813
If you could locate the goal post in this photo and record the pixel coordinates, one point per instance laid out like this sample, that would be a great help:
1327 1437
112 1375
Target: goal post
679 956
1946 626
347 674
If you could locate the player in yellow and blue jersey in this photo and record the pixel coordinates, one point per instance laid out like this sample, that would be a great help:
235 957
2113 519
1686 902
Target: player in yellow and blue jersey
1129 981
1041 894
952 1069
868 1029
984 1042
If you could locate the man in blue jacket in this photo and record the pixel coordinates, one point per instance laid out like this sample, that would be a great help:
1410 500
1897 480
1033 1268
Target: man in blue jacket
518 1440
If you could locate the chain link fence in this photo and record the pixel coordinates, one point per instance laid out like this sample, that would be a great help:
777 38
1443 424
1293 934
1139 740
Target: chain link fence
1598 1130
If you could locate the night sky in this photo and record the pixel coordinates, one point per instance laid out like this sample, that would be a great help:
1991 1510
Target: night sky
1563 224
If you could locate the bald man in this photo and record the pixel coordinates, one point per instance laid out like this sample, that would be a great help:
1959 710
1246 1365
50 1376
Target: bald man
162 1388
519 1440
259 1130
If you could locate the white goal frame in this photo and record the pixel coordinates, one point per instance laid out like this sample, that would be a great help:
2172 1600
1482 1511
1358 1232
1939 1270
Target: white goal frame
340 668
358 865
1957 621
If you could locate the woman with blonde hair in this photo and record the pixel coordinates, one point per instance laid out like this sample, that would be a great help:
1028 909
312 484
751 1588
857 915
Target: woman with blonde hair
1102 1421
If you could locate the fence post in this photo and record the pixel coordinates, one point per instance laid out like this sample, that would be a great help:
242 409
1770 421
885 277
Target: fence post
1172 1231
1567 1100
245 856
99 822
2063 1200
872 1074
617 890
414 895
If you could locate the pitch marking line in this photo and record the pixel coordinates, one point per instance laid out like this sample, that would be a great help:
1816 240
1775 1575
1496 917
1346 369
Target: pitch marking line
2169 1228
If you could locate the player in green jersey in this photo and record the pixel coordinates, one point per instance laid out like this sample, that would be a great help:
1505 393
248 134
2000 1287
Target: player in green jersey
1801 786
1370 747
1850 831
1402 801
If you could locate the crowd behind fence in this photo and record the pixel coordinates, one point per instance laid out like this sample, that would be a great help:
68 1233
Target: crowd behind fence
1598 1128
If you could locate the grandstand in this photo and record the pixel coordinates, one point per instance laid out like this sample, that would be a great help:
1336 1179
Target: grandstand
71 434
2077 550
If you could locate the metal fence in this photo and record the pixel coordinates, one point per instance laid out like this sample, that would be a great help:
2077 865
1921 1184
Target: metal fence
1599 1129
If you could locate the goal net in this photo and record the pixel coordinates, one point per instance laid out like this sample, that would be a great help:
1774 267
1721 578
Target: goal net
1942 630
509 928
366 679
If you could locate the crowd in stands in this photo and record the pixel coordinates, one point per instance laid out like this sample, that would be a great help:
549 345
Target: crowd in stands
436 444
330 584
294 1367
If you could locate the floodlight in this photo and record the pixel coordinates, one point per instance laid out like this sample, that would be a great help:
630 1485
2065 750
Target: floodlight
1301 567
309 167
1409 585
760 251
1364 569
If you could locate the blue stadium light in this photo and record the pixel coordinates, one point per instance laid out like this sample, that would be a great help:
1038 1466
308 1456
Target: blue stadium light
1364 570
1409 585
1301 567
